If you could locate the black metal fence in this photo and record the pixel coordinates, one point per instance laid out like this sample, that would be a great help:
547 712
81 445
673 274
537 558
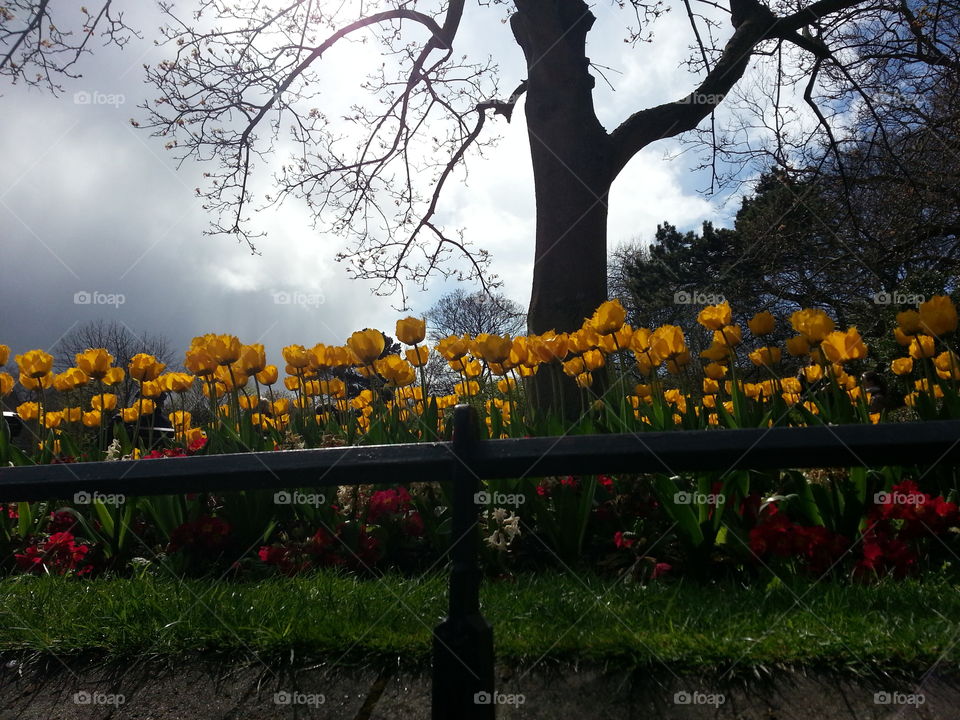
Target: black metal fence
463 657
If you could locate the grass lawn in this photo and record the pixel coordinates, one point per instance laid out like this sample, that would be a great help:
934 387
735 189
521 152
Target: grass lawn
892 625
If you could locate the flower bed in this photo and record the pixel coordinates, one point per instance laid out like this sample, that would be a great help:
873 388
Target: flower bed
856 523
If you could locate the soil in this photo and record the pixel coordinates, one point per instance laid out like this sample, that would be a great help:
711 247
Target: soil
47 688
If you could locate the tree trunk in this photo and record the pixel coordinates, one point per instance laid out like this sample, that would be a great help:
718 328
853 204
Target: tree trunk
572 173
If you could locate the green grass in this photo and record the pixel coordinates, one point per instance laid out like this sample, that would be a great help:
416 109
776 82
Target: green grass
688 627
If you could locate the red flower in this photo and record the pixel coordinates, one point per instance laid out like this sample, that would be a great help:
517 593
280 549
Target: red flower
59 554
413 524
205 533
61 521
389 503
620 540
660 569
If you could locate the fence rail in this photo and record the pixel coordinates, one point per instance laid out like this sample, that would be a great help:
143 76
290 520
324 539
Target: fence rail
463 645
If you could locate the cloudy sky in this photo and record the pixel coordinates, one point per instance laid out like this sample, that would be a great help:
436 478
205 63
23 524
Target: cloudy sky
96 221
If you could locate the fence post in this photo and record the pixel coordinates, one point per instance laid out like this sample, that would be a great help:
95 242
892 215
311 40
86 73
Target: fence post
462 673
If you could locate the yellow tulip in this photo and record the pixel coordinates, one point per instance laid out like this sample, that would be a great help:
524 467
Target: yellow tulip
95 362
176 382
551 346
506 385
608 318
144 367
586 338
762 323
469 388
493 348
35 363
130 414
716 353
840 347
151 389
947 365
813 373
52 420
909 322
418 356
715 371
938 316
252 359
667 341
268 376
922 346
791 385
585 380
145 406
31 383
901 337
91 419
4 355
69 380
798 346
180 419
199 361
902 366
367 345
454 347
28 411
114 375
411 330
765 356
107 401
593 360
291 383
333 388
194 435
72 414
574 366
815 325
715 317
225 349
296 356
729 337
6 384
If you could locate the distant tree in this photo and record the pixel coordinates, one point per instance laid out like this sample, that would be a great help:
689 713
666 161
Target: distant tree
459 312
119 340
